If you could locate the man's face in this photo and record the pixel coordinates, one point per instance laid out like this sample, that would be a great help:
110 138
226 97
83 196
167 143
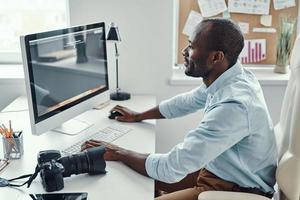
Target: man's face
196 56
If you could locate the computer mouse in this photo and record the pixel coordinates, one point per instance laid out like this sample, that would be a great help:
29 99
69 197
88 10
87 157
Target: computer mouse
114 114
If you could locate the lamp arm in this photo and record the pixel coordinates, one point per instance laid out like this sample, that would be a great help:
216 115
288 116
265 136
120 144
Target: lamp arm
117 67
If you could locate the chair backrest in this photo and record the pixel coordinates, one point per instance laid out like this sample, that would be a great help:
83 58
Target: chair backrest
287 132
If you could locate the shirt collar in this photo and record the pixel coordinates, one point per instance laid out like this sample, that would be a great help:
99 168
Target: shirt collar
227 75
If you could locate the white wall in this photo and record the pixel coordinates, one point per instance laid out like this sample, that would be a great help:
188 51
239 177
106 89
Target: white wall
9 90
146 31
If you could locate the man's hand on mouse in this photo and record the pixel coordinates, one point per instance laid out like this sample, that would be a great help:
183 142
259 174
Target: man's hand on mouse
112 151
127 114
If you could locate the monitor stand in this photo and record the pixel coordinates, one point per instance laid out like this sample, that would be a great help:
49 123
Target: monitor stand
72 127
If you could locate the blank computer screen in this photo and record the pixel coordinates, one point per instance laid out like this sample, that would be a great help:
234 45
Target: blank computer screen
66 67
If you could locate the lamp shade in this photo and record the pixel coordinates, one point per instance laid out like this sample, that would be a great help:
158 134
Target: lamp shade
113 33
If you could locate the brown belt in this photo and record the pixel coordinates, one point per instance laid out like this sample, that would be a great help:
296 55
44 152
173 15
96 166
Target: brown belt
208 181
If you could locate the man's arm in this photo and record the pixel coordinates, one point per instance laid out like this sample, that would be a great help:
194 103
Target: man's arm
215 134
177 106
153 113
132 116
185 103
132 159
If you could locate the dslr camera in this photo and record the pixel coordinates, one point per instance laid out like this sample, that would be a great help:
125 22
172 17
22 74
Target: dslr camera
53 168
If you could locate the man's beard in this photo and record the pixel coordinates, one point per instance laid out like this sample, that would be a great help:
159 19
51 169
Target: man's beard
194 70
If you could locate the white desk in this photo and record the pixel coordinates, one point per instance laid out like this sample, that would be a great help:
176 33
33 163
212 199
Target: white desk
120 182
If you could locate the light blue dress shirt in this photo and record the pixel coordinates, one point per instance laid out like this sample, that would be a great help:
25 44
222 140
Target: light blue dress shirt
234 140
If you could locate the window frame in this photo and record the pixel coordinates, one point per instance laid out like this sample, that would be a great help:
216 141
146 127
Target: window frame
176 8
15 57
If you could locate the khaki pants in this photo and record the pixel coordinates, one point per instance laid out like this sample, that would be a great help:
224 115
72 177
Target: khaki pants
192 185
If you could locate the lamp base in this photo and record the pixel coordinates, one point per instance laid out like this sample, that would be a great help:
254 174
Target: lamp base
119 96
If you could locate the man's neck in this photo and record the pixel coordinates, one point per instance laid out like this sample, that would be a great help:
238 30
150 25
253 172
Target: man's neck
214 74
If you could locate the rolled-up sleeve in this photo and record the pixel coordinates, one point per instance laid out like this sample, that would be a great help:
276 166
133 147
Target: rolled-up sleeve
215 134
185 103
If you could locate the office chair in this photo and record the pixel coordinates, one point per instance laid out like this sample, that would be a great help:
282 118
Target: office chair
287 133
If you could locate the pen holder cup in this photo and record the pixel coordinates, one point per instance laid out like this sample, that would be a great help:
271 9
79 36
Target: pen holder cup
13 148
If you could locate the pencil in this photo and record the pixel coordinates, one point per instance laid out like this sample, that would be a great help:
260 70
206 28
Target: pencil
5 131
2 131
7 136
8 133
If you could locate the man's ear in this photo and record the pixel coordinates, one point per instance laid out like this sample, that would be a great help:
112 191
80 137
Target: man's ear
217 57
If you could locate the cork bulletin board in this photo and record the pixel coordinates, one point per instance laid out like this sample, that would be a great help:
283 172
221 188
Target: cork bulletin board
185 6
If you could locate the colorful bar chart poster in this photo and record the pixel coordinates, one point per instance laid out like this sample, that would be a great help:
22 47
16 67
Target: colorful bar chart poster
254 51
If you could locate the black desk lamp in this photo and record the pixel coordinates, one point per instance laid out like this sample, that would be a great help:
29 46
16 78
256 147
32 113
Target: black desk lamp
114 36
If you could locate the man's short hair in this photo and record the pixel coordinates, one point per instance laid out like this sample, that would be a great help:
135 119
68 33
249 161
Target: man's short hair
224 35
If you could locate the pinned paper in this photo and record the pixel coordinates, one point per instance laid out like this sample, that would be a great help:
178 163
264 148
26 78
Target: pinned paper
281 4
254 51
264 30
266 20
211 8
226 14
257 7
193 20
244 27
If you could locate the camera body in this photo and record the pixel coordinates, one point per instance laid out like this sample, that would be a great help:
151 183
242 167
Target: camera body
53 167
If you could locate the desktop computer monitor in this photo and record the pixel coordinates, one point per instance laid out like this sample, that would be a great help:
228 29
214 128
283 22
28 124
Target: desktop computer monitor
65 74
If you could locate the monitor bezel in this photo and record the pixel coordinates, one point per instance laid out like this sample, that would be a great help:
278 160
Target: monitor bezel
53 33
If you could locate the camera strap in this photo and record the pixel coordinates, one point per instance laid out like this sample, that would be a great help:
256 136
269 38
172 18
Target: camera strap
7 182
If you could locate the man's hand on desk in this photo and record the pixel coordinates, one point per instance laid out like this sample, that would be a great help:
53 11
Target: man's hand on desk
134 160
112 150
127 114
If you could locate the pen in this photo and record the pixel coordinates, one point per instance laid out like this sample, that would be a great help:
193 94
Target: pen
20 134
10 128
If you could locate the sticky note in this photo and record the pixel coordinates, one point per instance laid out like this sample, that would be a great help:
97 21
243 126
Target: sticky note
244 27
226 14
193 20
266 20
264 30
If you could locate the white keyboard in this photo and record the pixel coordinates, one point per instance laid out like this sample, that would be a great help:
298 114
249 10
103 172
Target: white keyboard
108 134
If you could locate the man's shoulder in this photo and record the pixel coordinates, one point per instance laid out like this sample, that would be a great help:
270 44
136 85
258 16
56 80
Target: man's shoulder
238 91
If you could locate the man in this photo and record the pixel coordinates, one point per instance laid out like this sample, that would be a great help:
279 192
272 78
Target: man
233 148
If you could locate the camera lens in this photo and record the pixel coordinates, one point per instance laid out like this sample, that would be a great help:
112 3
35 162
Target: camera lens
91 162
